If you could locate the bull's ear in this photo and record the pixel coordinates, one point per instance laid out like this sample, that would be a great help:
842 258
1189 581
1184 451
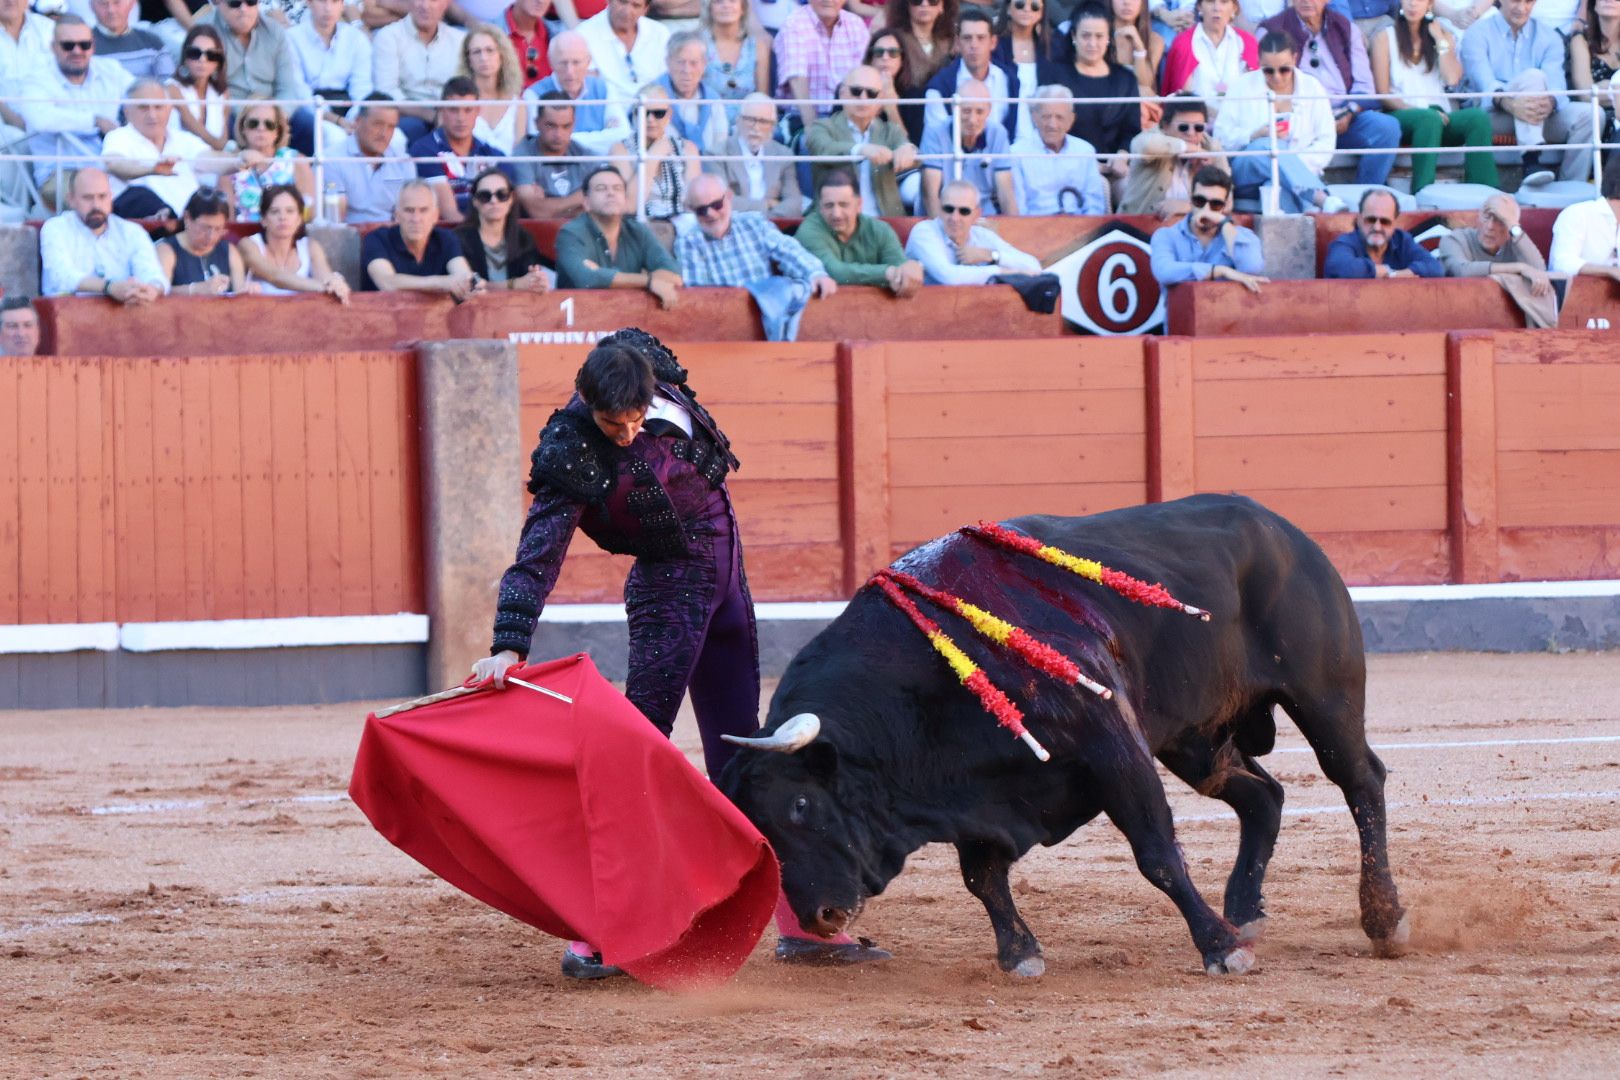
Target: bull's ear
820 759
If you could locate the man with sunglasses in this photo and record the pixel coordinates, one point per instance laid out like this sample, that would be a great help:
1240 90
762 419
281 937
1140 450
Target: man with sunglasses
878 149
1336 56
954 249
1376 248
1304 125
605 248
1160 179
259 60
74 104
1207 245
746 251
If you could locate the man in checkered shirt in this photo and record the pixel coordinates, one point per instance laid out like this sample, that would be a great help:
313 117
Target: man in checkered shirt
816 47
747 251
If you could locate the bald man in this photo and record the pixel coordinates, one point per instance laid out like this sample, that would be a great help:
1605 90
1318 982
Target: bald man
88 250
598 128
954 249
1498 248
878 149
764 179
982 163
747 251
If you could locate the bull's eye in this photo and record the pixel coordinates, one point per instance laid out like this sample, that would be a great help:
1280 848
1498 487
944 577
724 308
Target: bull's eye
800 806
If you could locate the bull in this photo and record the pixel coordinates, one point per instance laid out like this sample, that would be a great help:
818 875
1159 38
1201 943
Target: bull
872 748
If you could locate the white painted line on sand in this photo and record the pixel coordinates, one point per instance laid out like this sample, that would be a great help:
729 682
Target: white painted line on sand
1468 800
1556 741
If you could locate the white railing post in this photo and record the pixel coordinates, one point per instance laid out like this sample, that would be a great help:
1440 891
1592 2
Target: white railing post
956 138
1597 138
1276 166
641 160
318 162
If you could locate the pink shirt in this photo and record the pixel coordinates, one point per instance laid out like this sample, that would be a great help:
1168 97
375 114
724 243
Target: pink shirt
804 48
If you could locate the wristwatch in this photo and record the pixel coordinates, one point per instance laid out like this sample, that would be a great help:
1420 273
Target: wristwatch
995 257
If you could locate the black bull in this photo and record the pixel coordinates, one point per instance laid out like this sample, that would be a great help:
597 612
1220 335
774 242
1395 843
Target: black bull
900 754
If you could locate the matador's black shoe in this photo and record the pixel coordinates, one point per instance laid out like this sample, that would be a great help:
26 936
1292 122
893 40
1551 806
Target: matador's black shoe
798 950
577 966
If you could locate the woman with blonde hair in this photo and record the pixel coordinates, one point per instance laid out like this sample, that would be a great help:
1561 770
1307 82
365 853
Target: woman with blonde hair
488 59
672 162
739 57
263 127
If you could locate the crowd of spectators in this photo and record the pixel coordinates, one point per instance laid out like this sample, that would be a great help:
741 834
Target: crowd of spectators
666 132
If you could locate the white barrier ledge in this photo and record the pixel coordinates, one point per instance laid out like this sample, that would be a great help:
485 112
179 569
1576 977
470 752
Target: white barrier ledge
59 638
401 629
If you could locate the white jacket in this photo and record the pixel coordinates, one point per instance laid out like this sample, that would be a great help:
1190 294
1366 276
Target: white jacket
1311 127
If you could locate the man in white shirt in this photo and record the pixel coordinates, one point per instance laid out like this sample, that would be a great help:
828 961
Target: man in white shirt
81 89
335 58
1586 236
627 48
412 59
1064 178
25 39
147 154
371 185
1304 123
955 249
86 249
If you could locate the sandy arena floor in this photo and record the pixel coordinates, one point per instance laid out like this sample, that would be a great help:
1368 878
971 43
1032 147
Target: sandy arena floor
187 893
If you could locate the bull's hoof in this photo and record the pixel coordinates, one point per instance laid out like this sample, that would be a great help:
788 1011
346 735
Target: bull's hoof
1251 932
1239 961
1031 967
1395 944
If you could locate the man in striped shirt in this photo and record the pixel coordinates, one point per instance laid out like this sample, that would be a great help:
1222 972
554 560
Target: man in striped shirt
747 251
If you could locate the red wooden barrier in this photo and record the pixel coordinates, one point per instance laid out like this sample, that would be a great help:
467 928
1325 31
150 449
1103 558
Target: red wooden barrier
205 326
212 488
1216 309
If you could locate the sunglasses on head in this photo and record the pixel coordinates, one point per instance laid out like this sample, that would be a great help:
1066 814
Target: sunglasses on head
709 208
489 195
965 211
1374 219
69 46
862 91
1278 71
1184 128
1201 201
194 53
253 123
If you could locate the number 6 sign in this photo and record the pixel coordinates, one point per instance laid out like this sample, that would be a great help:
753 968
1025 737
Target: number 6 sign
1108 283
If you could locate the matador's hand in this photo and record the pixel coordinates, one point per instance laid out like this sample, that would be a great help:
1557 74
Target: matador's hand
495 667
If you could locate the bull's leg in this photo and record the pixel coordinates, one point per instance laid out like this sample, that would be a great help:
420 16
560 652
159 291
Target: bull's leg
1134 800
1334 725
1238 780
984 869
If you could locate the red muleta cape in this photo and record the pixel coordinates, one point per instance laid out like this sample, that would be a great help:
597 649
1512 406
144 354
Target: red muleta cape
580 820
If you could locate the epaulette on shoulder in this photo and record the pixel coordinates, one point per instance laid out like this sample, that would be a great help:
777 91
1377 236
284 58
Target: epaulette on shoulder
574 457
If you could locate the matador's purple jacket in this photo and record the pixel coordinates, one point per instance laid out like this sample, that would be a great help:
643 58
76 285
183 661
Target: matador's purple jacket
662 499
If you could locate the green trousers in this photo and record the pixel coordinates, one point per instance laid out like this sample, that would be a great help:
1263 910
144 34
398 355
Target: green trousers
1423 128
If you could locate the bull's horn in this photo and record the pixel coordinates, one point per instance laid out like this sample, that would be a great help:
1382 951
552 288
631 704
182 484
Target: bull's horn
796 734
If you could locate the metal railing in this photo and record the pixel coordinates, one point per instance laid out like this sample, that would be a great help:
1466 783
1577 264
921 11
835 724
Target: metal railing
639 157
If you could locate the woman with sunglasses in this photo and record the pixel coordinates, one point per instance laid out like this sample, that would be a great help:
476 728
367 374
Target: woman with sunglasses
488 59
282 258
496 247
263 127
1417 58
886 54
671 165
739 56
199 88
1209 58
1024 43
200 260
1594 64
928 32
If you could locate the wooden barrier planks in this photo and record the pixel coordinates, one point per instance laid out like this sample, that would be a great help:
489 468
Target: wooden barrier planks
1057 427
204 488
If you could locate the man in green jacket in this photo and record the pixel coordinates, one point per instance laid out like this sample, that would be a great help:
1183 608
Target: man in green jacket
877 148
856 249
